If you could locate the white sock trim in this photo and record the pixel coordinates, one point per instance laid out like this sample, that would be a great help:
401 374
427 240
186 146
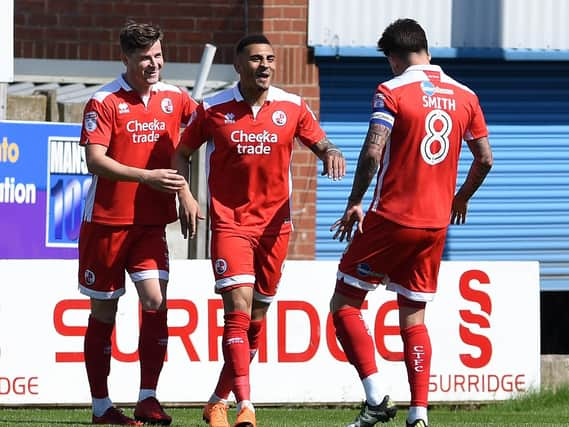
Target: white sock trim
145 393
214 398
416 413
100 406
245 403
372 388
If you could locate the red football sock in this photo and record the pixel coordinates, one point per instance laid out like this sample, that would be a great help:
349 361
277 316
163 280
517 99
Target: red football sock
417 352
225 381
236 352
152 345
254 333
97 353
356 341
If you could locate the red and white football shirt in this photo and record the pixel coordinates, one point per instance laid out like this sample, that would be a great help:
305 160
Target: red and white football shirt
249 157
139 134
430 114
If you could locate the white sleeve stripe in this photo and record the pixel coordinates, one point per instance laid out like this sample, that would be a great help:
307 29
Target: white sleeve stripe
383 118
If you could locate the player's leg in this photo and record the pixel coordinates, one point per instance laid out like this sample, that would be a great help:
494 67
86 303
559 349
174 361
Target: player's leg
417 355
232 262
269 256
148 269
416 284
360 271
101 277
256 328
237 305
354 336
97 352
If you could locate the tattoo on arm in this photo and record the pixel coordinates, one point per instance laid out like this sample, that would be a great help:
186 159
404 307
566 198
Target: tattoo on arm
323 146
368 161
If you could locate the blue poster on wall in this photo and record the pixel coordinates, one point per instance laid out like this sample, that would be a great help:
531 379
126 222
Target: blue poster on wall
43 183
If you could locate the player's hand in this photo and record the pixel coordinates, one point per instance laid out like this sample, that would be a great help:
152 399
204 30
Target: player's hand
459 208
343 226
334 164
167 180
189 213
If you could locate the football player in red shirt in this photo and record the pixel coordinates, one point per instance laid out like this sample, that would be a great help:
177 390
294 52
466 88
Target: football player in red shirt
130 129
250 130
419 120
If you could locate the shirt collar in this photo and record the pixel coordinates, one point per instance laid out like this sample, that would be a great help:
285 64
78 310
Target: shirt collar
239 98
123 83
423 67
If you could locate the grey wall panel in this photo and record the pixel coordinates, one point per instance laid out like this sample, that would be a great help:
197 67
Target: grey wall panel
494 24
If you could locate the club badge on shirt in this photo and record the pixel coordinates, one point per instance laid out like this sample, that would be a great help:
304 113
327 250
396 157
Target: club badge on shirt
167 105
279 118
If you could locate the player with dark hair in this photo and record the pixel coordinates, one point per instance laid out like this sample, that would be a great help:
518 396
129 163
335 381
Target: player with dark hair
419 119
250 130
130 129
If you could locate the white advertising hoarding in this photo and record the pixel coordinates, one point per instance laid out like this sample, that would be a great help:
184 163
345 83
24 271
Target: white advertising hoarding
485 346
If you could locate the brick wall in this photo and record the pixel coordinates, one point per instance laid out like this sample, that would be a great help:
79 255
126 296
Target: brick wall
89 30
285 23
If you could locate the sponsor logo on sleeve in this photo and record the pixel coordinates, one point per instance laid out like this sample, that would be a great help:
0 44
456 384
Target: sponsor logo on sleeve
378 101
90 121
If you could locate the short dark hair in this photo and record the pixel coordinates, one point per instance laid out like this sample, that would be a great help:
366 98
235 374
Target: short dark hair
402 37
250 39
136 36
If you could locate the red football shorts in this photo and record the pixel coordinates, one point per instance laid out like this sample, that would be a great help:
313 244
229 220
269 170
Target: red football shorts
106 251
243 260
405 259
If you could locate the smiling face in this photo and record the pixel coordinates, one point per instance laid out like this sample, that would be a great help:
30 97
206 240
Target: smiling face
256 67
143 67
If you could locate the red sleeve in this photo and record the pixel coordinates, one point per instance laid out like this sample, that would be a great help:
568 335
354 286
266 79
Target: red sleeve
384 96
97 123
308 129
188 106
194 134
477 127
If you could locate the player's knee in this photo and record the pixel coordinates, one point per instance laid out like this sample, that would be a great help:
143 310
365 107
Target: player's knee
154 303
104 310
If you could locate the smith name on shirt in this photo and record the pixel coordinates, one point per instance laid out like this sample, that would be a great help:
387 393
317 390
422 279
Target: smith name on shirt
439 103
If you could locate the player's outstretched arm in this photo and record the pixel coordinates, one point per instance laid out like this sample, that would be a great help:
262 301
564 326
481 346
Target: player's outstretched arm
479 168
368 162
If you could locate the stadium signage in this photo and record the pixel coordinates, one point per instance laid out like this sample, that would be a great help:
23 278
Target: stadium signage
43 183
475 344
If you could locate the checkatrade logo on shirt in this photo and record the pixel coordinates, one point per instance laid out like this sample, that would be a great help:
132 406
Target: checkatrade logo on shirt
254 143
142 132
